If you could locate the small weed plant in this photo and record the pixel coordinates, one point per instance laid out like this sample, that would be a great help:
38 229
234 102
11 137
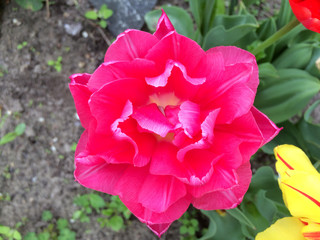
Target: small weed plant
101 15
56 64
113 213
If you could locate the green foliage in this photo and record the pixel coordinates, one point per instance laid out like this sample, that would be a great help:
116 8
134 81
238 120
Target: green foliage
73 147
59 230
101 15
46 216
9 137
261 206
189 225
33 5
114 215
56 64
9 233
22 45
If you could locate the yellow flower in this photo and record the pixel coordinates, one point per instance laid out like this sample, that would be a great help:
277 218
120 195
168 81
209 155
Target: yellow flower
300 185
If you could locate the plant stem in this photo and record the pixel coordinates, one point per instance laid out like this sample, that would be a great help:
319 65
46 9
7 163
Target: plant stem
276 36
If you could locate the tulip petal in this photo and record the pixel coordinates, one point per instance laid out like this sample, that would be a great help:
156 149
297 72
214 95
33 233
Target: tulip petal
93 172
158 222
285 228
221 179
164 26
233 55
81 94
290 157
311 231
189 117
150 118
108 102
267 128
178 49
113 71
129 45
301 194
229 198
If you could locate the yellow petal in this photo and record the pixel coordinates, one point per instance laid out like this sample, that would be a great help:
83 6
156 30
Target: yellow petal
311 231
301 193
283 229
290 157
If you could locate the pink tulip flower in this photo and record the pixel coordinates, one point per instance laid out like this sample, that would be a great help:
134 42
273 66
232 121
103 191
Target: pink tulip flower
168 124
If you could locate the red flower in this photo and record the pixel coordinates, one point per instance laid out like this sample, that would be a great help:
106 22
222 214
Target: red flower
168 124
307 12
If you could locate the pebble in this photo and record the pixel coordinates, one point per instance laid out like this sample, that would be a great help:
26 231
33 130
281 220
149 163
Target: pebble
41 119
73 29
85 34
16 22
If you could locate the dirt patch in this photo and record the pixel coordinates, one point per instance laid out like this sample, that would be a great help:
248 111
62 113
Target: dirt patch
36 170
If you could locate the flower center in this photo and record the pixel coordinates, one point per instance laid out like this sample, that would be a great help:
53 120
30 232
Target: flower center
164 99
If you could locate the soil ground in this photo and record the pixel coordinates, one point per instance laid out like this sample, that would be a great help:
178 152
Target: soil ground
36 169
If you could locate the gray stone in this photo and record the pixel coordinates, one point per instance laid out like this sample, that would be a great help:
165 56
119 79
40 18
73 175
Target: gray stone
73 29
126 13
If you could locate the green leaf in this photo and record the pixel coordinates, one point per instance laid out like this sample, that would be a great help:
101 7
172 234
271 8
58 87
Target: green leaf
5 230
283 97
92 14
312 67
116 223
265 206
46 216
285 14
220 225
311 132
77 214
180 19
266 29
62 223
8 138
30 236
183 229
104 12
288 59
227 30
34 5
81 200
103 23
20 128
241 217
96 201
44 236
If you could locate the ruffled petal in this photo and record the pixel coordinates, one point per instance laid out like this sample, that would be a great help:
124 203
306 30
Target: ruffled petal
164 26
93 172
108 102
229 198
268 129
129 45
189 117
113 71
178 49
81 94
234 103
158 222
284 228
233 55
221 178
150 118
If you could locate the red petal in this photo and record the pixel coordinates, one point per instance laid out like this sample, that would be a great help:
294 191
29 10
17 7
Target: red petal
130 45
164 26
